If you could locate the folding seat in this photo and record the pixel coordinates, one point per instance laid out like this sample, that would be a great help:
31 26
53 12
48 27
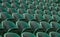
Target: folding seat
21 11
23 26
28 2
31 6
56 18
9 25
38 17
42 34
47 27
47 12
28 17
54 4
6 4
15 5
38 11
11 34
0 36
4 15
30 11
47 17
54 12
45 7
55 25
35 2
52 8
36 27
27 34
39 7
17 16
54 34
11 10
22 6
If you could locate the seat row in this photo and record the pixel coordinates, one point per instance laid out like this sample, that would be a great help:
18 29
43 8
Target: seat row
28 34
31 26
28 17
40 6
29 0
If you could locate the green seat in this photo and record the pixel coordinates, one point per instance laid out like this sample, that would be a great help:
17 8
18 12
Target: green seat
52 8
35 26
55 25
10 34
27 34
54 12
39 7
38 11
17 16
47 17
11 10
6 4
54 34
31 6
46 26
22 6
9 25
28 16
30 11
42 34
56 18
38 17
21 11
47 12
4 15
23 26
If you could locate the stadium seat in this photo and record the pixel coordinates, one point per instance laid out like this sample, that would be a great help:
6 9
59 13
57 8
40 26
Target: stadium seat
47 27
54 34
27 34
5 16
10 34
28 16
38 17
9 25
36 27
42 34
23 26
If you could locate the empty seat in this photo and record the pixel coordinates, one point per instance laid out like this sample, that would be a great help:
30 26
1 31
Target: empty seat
30 11
56 18
47 17
27 34
38 17
47 12
4 15
47 27
38 11
42 34
10 34
54 34
35 26
55 25
21 11
31 6
11 10
17 16
23 26
9 25
54 12
28 16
